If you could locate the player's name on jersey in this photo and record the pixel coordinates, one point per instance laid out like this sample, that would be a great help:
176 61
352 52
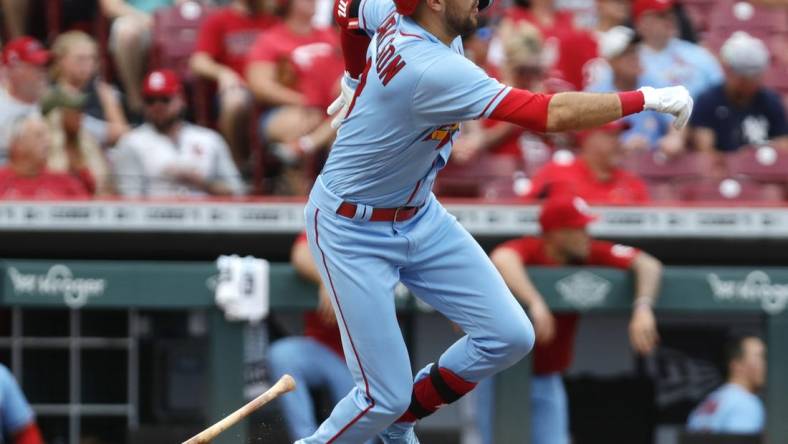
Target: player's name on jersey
287 217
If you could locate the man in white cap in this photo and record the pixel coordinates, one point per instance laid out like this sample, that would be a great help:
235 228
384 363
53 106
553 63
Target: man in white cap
740 111
619 48
24 63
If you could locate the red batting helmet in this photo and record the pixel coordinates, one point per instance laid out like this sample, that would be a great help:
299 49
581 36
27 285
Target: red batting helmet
408 7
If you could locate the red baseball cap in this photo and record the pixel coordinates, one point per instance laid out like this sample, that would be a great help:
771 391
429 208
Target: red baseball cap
161 83
615 127
565 211
25 49
642 6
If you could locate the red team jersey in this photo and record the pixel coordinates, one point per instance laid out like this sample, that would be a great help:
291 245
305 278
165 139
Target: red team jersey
316 328
227 35
46 185
315 59
557 356
576 178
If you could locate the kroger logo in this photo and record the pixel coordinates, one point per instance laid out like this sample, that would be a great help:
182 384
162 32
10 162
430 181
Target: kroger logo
59 281
757 286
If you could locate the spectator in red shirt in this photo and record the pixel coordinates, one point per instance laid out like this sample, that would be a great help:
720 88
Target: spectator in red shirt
567 48
314 359
26 176
294 70
223 43
564 242
595 175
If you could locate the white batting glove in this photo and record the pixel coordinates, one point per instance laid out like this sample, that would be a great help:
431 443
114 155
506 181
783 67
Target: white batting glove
339 107
674 100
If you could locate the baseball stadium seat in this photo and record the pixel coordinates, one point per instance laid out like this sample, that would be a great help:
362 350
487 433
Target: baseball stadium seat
468 180
732 15
662 191
175 36
777 78
762 164
506 188
173 41
698 12
655 167
730 190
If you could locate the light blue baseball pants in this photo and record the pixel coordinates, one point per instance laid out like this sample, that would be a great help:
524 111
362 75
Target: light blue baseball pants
437 259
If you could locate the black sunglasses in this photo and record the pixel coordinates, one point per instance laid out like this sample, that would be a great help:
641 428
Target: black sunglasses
155 100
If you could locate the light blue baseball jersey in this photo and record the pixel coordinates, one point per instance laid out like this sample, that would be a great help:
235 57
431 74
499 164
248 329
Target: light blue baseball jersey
15 412
729 409
409 105
681 63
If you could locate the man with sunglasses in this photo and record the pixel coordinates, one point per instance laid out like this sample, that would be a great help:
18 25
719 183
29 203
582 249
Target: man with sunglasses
168 156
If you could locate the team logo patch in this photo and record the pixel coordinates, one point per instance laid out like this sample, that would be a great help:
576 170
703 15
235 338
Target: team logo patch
443 134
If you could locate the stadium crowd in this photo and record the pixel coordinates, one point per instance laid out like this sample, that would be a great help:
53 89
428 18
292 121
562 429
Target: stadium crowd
179 98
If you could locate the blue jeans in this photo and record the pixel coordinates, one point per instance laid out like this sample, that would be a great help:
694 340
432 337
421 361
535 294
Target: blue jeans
311 364
549 410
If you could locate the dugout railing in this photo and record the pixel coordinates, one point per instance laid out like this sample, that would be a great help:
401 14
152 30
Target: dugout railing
79 287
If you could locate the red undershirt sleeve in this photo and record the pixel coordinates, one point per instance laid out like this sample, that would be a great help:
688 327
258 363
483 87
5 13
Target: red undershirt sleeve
529 110
523 108
353 38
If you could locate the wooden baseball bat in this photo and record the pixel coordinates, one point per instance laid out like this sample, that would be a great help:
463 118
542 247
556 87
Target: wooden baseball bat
285 384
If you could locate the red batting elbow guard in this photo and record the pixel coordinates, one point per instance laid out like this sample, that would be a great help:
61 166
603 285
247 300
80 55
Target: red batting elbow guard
524 108
354 40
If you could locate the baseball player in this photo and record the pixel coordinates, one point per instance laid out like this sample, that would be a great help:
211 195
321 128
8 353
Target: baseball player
372 219
17 421
565 241
734 407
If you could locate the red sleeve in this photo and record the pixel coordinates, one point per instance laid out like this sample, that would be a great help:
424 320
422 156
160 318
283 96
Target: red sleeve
608 254
301 238
264 49
29 435
354 49
519 246
209 39
524 108
354 40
